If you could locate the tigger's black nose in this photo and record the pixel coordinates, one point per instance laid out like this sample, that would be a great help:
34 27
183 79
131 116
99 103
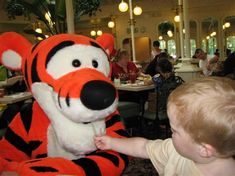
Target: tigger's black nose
97 95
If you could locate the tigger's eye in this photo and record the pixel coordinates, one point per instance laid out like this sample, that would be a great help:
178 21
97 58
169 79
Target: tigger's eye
95 63
76 63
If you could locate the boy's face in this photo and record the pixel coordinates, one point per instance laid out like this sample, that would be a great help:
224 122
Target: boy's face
182 141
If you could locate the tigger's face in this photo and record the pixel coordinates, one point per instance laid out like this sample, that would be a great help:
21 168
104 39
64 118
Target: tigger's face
77 69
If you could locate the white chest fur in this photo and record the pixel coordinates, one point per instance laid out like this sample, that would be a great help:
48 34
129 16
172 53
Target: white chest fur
73 141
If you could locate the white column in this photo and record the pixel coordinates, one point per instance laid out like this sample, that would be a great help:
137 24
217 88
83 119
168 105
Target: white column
220 39
187 30
69 16
132 31
181 29
199 38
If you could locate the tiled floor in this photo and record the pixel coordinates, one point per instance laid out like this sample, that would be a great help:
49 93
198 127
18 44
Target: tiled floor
140 167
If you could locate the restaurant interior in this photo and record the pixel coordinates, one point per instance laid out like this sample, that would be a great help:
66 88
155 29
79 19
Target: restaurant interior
180 26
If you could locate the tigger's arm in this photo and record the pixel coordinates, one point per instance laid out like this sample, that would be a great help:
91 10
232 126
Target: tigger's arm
99 163
14 147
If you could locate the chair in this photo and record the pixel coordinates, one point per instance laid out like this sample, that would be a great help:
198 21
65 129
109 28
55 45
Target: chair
163 90
130 113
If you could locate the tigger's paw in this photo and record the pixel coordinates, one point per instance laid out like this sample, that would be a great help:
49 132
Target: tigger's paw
43 93
41 88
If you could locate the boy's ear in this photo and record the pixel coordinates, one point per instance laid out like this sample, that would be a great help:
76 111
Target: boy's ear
206 150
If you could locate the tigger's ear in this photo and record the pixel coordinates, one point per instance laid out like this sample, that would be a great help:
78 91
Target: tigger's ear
107 42
13 50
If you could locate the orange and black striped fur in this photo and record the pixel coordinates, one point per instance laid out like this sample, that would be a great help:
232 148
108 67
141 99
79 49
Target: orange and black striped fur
75 100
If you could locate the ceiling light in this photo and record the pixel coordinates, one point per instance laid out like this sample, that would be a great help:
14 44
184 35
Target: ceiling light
111 24
169 33
99 32
38 30
137 10
93 33
177 18
123 6
227 24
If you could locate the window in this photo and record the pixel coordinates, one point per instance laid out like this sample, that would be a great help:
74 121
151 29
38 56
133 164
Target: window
204 44
231 43
212 45
192 46
171 48
162 44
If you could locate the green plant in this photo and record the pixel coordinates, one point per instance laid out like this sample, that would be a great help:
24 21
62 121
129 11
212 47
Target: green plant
165 26
56 8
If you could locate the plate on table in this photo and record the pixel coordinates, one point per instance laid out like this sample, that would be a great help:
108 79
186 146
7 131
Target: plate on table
141 83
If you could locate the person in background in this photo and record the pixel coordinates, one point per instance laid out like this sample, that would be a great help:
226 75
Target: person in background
123 67
217 53
206 63
151 68
200 112
229 66
228 52
156 49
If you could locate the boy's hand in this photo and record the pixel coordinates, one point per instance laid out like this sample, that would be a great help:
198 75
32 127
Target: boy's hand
103 142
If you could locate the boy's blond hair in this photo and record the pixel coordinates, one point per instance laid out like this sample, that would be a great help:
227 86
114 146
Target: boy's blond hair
206 110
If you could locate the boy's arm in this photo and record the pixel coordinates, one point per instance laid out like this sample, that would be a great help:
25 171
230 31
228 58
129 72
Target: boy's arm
135 147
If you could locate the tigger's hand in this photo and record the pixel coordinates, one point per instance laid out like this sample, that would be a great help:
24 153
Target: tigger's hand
42 91
43 94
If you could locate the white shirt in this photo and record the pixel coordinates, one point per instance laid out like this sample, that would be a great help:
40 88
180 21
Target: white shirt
168 162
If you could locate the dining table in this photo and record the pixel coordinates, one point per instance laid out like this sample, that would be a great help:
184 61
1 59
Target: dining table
15 98
134 87
138 90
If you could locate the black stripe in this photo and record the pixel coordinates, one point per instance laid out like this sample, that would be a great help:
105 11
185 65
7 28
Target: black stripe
95 45
90 167
44 155
17 141
122 132
34 73
26 115
25 73
57 48
59 98
34 47
34 144
43 169
125 159
114 159
112 121
67 99
8 159
33 161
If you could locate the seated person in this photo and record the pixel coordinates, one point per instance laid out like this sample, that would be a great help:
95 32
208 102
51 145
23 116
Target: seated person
122 67
227 68
165 82
203 138
206 63
156 49
151 68
165 72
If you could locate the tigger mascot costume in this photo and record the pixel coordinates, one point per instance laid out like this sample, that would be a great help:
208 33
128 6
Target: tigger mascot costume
75 100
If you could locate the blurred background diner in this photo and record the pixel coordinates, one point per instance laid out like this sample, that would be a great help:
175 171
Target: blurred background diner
122 66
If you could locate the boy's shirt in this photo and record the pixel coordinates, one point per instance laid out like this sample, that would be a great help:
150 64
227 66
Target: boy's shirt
168 162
